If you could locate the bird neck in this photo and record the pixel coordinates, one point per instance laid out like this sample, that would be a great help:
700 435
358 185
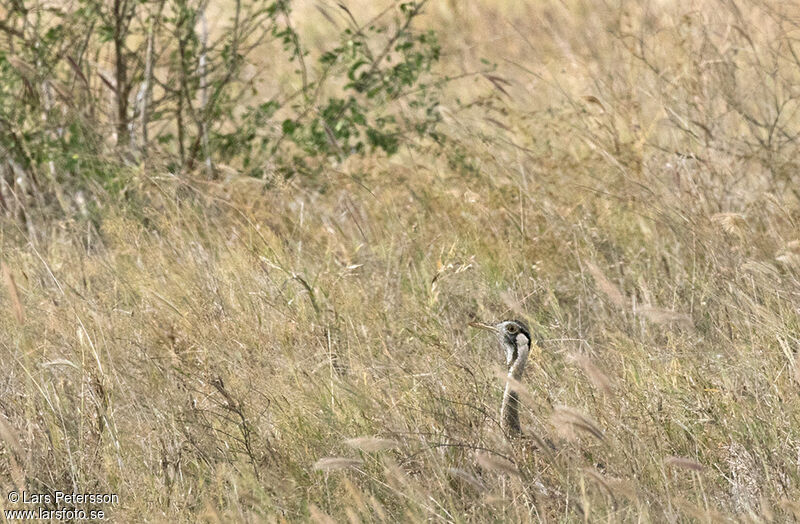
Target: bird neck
509 410
515 371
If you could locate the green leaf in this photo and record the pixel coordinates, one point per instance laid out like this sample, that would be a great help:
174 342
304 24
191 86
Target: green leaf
289 126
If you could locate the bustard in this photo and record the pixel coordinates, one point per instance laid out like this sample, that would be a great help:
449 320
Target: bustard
515 339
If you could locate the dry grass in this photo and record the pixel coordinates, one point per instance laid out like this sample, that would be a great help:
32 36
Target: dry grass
244 352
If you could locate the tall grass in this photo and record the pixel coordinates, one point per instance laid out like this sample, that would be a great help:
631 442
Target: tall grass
624 181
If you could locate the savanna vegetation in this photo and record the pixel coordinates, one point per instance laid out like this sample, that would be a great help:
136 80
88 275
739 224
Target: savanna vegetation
242 242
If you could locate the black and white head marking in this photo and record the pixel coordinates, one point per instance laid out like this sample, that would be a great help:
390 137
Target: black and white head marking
513 334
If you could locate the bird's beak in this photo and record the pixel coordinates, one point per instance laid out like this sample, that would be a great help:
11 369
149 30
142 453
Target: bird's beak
483 325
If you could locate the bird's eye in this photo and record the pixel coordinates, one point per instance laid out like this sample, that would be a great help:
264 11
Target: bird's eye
512 329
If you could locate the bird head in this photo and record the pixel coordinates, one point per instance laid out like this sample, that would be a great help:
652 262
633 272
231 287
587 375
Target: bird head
514 337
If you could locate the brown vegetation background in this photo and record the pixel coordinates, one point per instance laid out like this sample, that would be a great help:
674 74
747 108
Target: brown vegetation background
625 180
